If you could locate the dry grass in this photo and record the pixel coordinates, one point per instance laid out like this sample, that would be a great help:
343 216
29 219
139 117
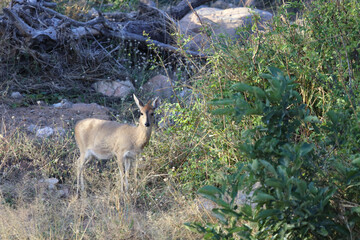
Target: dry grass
154 209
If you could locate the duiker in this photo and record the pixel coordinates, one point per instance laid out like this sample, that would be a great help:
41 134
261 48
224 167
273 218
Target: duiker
105 139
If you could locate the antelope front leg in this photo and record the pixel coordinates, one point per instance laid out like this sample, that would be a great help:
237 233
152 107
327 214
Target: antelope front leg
127 161
79 176
120 160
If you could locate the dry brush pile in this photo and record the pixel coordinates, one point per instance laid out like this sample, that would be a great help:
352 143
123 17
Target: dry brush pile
42 48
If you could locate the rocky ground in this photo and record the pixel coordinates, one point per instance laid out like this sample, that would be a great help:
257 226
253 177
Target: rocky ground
44 120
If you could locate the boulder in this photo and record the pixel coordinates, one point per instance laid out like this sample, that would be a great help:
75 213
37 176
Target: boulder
219 21
50 182
63 104
159 86
44 132
119 89
16 95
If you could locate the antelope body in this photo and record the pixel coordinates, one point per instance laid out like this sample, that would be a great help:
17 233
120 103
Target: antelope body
105 139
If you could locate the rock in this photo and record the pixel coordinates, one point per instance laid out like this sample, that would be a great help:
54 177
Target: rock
32 128
63 104
63 193
205 204
16 95
44 132
159 86
59 131
50 182
219 21
119 89
41 103
185 94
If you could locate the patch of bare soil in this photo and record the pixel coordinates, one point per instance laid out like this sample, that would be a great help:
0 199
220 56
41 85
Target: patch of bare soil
25 118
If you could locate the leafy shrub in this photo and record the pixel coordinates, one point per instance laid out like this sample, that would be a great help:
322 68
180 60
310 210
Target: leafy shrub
296 194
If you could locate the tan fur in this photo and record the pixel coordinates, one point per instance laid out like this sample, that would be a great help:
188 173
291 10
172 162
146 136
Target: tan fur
105 139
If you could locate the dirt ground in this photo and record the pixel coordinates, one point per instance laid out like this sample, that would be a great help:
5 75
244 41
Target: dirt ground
42 115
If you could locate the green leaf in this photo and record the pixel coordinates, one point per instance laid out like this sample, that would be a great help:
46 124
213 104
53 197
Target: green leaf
220 216
269 167
306 148
255 165
276 72
217 102
313 189
223 111
267 213
273 182
333 116
195 227
259 93
263 197
209 190
242 87
356 209
322 231
356 161
302 187
311 119
247 210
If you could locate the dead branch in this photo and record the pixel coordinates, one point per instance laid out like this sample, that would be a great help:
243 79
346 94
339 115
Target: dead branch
35 21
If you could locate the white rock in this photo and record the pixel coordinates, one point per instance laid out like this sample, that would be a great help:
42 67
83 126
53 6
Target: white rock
59 131
159 86
51 182
63 104
63 193
119 89
32 128
44 132
219 21
16 95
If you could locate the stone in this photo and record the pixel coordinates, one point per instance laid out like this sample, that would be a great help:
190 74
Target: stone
32 128
63 104
159 86
16 95
63 193
220 21
50 182
119 89
44 132
59 131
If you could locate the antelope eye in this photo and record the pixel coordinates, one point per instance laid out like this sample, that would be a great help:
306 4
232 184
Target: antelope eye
141 114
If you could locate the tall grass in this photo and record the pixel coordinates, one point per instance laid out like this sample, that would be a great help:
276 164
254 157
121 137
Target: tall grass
29 209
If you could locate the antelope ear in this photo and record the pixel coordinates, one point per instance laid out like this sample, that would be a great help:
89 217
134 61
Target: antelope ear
156 102
138 102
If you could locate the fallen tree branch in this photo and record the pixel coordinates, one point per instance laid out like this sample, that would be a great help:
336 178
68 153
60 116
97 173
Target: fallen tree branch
28 31
146 42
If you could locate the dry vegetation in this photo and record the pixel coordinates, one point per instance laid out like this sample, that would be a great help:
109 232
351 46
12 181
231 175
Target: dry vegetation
30 208
194 150
154 208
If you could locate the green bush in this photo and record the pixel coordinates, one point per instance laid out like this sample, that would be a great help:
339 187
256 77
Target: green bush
299 182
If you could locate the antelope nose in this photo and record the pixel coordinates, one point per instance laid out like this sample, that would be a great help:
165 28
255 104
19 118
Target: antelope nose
147 124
